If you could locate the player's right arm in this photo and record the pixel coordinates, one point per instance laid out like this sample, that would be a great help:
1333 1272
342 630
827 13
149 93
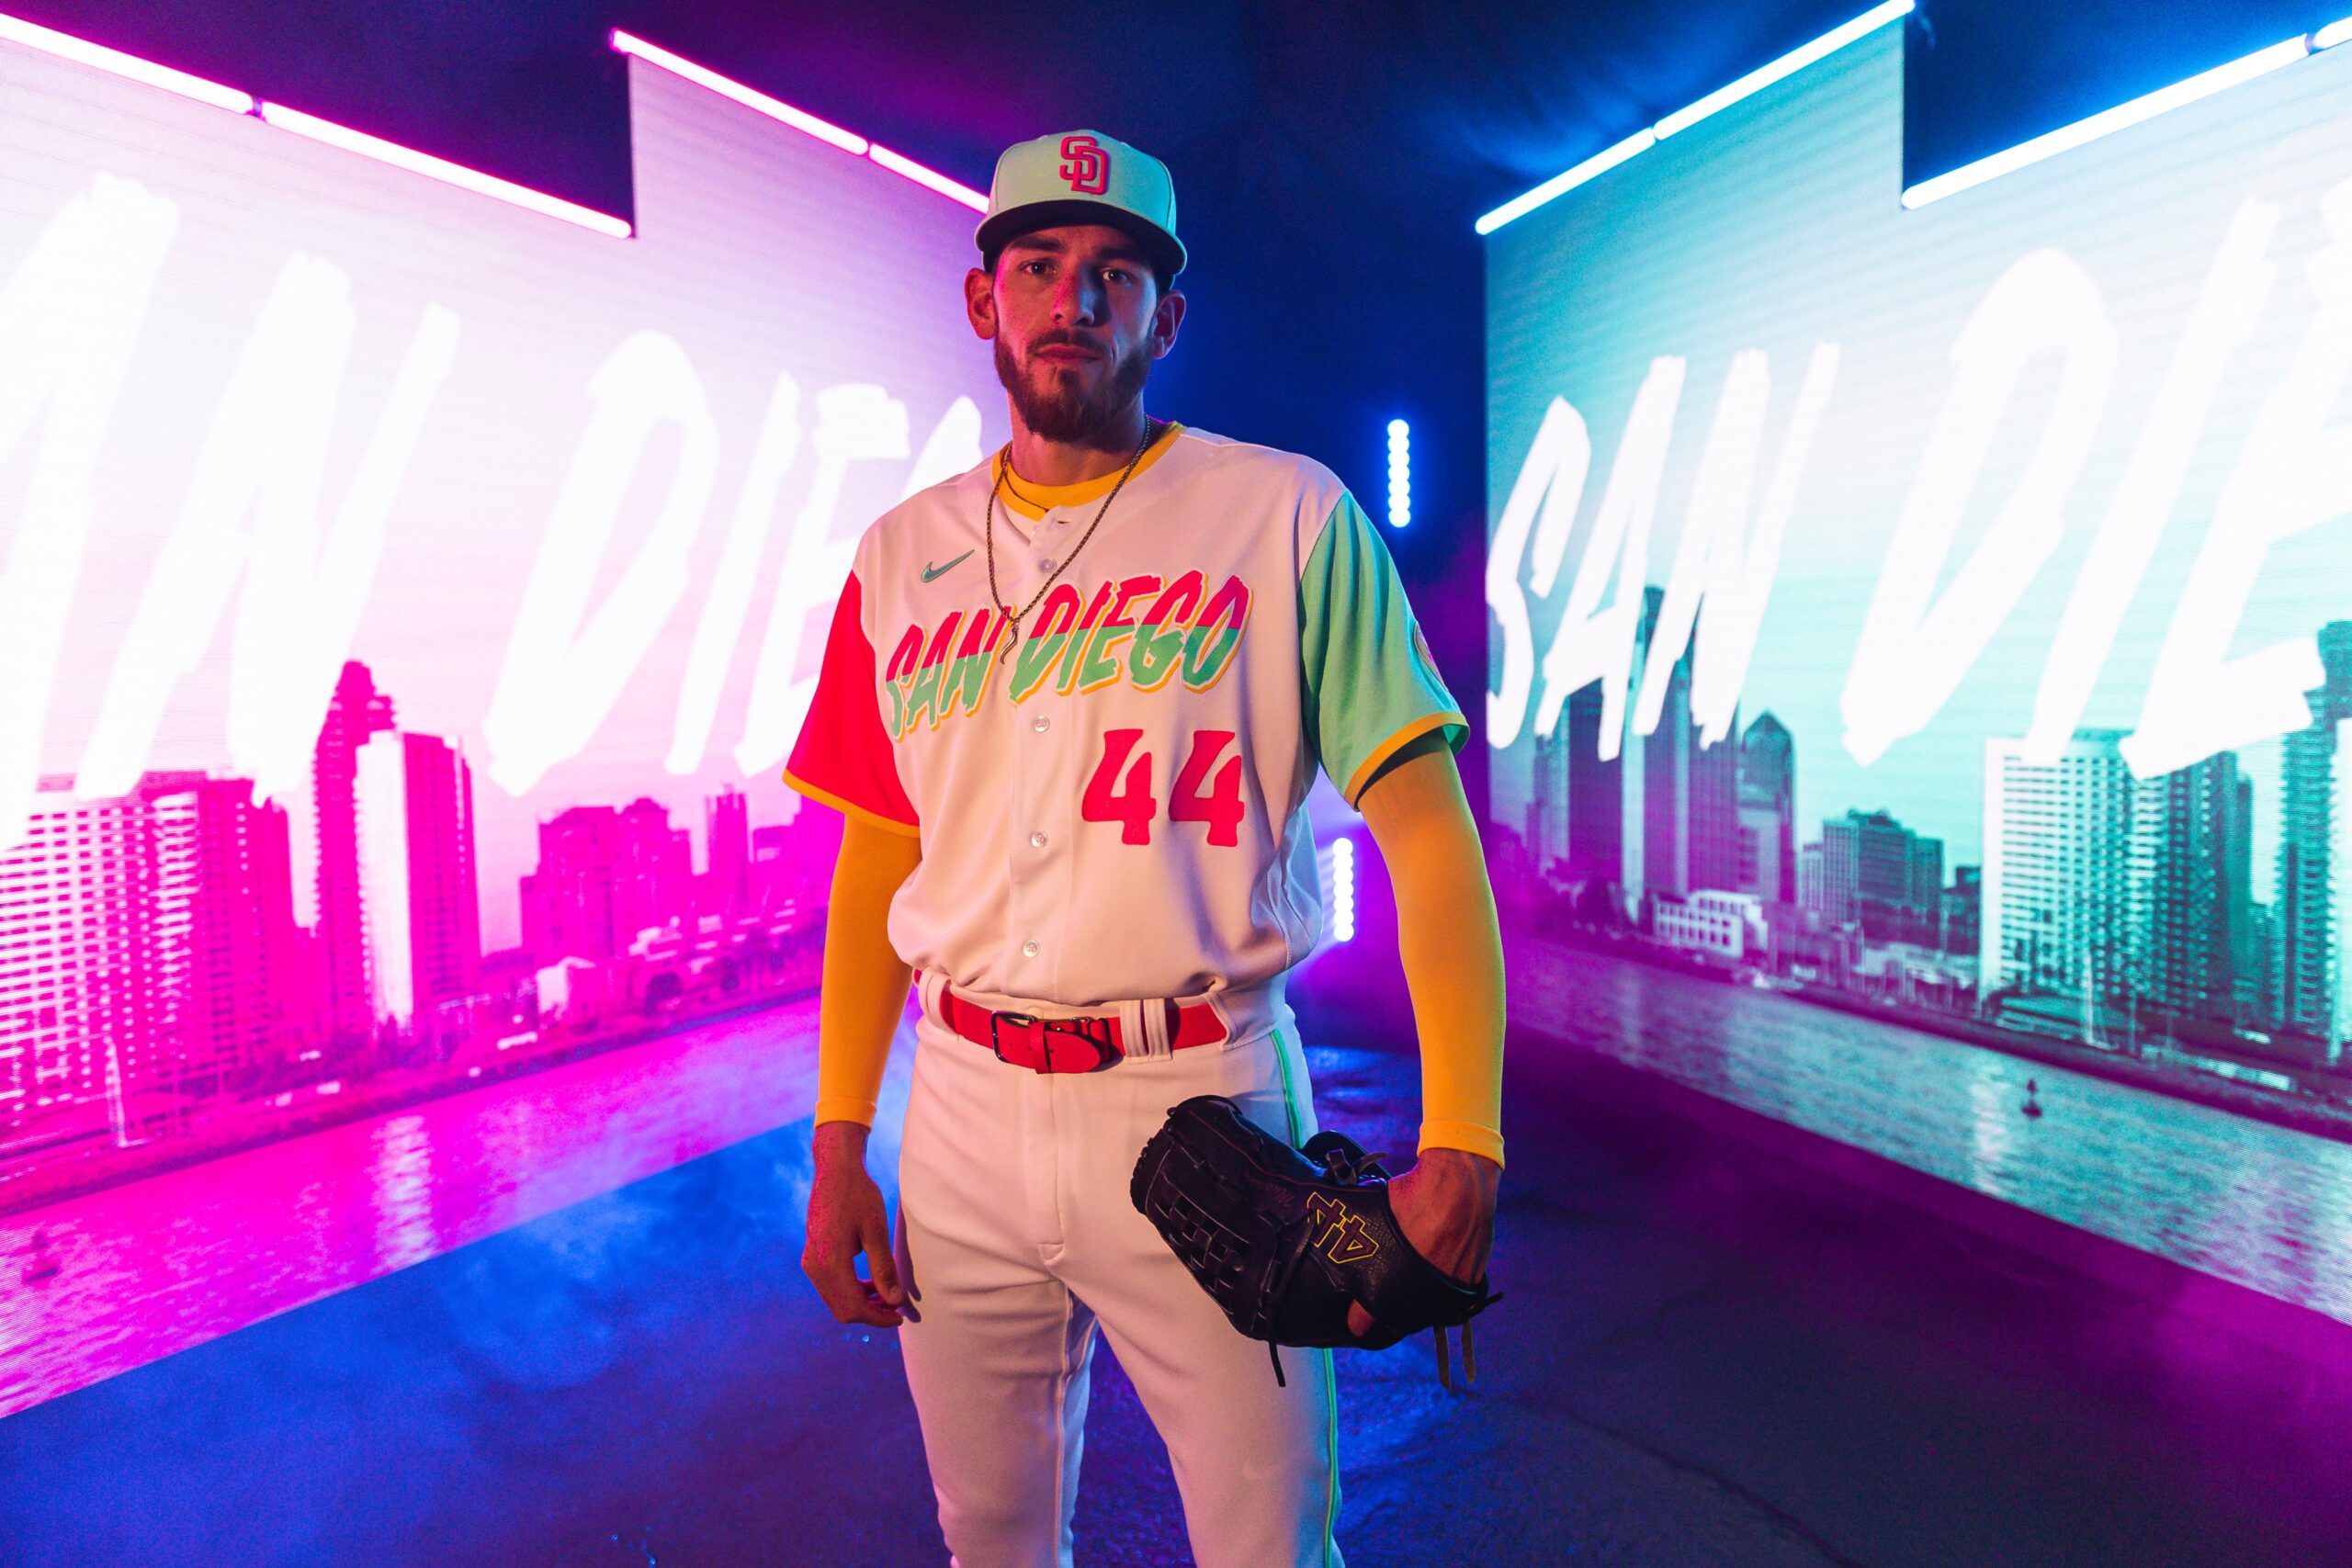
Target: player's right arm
845 760
865 992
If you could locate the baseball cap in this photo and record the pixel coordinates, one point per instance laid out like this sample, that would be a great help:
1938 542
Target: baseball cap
1083 176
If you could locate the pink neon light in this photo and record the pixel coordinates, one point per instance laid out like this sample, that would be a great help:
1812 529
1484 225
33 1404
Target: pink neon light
702 76
441 169
800 119
83 52
898 164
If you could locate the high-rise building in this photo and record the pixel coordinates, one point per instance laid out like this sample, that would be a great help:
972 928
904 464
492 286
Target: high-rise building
1635 876
1813 881
2314 838
356 711
1877 871
415 813
2244 941
1767 785
1547 802
1669 755
2057 870
2258 978
79 1016
145 939
1763 849
1690 793
1714 811
727 829
224 918
604 876
2183 905
1959 928
1596 790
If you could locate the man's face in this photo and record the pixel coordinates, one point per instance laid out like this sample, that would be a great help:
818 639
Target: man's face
1077 320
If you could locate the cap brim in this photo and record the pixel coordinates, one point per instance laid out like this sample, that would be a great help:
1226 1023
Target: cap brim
995 233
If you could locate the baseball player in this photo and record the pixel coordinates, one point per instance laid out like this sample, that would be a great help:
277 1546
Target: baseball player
1070 705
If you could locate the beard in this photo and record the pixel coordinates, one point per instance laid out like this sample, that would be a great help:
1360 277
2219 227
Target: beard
1050 404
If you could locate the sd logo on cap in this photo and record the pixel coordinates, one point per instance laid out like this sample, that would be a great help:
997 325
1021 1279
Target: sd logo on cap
1082 177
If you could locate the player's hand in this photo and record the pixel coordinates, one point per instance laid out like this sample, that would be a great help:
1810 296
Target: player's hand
1445 1206
847 1217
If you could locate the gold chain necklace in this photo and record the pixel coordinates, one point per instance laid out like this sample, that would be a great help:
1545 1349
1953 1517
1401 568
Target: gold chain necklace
1151 432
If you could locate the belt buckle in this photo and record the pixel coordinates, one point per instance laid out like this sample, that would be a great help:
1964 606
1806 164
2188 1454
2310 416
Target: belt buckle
1036 1051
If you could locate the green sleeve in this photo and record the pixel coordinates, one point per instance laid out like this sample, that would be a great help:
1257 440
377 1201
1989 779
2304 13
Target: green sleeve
1371 684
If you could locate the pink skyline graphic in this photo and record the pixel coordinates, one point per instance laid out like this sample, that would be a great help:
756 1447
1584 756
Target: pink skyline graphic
408 597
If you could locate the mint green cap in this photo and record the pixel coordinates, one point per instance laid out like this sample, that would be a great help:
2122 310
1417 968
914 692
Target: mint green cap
1082 177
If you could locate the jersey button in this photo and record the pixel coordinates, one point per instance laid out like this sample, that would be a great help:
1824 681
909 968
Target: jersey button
1028 949
1047 565
1037 841
1040 724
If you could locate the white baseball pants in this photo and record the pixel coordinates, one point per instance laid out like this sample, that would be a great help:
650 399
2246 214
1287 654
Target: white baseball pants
1018 1237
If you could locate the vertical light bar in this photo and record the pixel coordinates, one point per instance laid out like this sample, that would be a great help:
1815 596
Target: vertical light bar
2067 138
703 76
1343 889
399 157
1788 64
66 46
1401 473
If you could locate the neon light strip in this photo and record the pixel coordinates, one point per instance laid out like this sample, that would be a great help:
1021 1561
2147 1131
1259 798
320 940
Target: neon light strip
703 76
898 164
1560 184
2068 137
1683 119
1401 473
2332 34
83 52
800 119
1343 889
1788 64
441 169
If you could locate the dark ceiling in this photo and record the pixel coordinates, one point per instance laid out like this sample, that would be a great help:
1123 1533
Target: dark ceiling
1329 157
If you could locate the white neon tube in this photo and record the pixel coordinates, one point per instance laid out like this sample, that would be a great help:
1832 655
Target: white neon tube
750 98
2108 121
1788 64
1721 98
1561 184
898 164
399 157
66 46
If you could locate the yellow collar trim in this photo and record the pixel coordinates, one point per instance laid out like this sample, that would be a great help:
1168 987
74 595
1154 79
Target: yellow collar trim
1033 500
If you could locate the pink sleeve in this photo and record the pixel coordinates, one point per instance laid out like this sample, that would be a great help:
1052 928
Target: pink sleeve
843 757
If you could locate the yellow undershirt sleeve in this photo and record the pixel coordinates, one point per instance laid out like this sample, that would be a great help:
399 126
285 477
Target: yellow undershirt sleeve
865 985
1450 942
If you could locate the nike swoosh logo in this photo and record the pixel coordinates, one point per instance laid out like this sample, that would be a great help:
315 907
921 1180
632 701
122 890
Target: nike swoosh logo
931 571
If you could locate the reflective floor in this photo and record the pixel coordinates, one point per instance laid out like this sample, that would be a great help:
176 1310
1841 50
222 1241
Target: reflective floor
1725 1342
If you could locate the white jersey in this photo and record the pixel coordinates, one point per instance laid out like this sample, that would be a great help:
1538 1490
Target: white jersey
1110 801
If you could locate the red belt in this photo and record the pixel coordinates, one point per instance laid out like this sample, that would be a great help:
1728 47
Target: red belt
1069 1045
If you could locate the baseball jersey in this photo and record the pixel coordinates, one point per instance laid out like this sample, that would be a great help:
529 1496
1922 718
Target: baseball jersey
1109 799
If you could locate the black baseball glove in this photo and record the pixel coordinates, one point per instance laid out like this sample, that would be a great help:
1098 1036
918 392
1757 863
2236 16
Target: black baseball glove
1285 1239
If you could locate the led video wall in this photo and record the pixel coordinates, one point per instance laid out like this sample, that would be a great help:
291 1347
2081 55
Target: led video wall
409 595
1920 676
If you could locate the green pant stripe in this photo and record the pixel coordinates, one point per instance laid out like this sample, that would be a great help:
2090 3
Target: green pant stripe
1331 1373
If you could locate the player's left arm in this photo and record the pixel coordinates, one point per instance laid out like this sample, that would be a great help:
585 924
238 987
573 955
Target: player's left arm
1386 728
1451 945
